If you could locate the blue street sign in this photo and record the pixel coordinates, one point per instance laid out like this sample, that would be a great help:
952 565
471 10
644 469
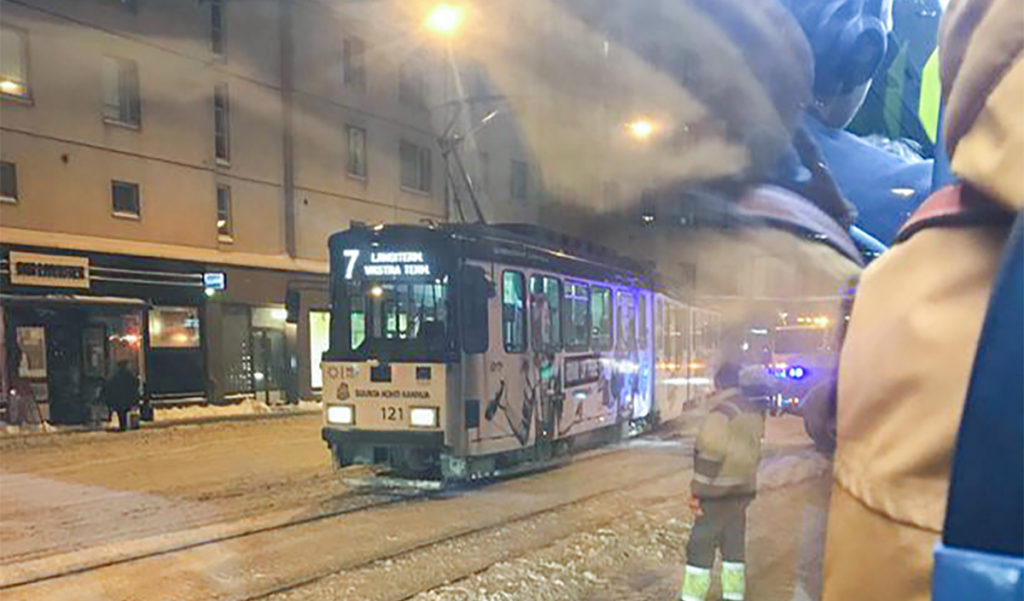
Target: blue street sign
215 280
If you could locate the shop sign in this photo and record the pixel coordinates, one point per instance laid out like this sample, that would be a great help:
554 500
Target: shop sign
53 271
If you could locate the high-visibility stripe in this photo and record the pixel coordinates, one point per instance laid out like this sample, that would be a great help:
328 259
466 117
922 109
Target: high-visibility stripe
734 580
928 101
696 583
719 480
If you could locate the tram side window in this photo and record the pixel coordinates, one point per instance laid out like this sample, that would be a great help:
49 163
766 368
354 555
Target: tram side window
601 318
576 316
682 335
686 335
357 321
659 328
513 311
545 293
670 336
641 321
627 321
673 341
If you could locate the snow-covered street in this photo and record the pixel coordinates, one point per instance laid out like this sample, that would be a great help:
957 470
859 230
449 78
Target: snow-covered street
252 510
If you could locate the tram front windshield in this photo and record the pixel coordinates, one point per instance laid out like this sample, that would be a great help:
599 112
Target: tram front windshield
399 319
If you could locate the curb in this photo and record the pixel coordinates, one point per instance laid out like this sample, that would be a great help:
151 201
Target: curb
190 421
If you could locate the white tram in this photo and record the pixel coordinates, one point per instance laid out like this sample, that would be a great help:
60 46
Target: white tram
461 351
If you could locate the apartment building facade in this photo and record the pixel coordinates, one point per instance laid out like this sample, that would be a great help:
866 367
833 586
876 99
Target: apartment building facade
171 172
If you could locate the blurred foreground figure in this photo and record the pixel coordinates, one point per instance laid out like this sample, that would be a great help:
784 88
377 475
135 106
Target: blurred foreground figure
849 39
726 456
917 318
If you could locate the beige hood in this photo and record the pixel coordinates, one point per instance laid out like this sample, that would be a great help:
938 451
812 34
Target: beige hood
980 46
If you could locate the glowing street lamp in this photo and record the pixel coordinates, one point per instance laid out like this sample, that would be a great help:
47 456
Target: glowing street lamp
445 18
640 128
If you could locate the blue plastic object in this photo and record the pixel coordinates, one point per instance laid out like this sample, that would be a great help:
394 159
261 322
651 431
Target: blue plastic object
970 575
982 555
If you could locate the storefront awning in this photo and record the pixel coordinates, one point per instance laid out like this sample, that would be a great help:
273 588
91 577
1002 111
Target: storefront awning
72 299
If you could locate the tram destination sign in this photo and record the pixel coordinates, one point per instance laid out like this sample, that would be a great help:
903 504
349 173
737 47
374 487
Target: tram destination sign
51 271
386 264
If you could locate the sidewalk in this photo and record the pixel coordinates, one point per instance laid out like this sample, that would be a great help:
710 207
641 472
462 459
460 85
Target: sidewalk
248 409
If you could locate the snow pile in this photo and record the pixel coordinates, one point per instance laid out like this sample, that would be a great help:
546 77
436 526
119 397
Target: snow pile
249 406
649 550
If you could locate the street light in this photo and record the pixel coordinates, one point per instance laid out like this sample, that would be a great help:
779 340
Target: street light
641 128
445 18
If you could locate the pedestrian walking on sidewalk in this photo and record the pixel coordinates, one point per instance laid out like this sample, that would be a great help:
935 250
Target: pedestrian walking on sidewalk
121 393
726 456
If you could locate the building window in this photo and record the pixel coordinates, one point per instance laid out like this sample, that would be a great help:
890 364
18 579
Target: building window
125 198
174 327
576 315
513 311
412 84
415 166
217 27
224 225
356 151
8 182
221 130
601 318
518 180
352 62
121 92
483 183
13 64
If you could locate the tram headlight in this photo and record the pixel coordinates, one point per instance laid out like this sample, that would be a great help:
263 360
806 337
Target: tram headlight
423 417
341 414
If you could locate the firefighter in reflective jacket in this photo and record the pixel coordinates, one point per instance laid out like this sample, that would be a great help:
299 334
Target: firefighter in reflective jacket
726 455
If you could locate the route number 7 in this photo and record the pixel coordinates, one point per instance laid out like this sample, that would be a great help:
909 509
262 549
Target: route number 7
351 255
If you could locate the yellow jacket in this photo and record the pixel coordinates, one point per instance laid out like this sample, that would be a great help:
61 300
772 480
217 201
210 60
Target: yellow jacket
728 449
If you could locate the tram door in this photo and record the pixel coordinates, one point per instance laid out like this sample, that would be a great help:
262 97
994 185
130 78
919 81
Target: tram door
545 339
627 371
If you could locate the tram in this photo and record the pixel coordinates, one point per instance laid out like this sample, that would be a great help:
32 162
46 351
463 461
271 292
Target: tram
461 351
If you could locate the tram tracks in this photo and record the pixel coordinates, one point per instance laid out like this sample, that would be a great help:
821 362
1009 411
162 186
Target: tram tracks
17 575
462 534
16 579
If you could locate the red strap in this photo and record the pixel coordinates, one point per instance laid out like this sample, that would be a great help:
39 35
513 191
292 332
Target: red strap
944 202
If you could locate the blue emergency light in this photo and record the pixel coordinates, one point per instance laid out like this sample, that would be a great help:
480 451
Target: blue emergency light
791 372
796 372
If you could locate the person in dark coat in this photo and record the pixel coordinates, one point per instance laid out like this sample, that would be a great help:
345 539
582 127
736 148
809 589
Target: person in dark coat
121 393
